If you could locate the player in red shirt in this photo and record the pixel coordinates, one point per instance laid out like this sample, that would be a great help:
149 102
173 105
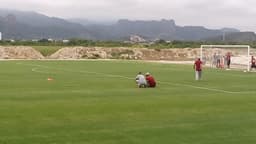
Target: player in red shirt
253 63
150 80
228 59
198 69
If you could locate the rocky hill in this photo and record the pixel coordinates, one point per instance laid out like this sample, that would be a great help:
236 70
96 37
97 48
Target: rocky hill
32 25
152 30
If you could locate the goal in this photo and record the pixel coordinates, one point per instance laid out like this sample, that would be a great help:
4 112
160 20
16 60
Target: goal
217 56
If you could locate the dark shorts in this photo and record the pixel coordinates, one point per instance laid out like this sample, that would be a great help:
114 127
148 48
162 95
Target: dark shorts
253 66
228 62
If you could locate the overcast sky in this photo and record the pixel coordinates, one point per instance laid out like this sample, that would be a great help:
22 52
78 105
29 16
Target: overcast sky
209 13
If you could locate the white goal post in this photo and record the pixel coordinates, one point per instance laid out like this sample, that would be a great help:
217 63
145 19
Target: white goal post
209 50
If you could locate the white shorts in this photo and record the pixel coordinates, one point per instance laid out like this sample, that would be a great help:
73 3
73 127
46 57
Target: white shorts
198 75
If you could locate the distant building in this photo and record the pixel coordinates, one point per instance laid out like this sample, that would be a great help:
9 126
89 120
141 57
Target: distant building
65 41
12 40
34 40
137 39
0 36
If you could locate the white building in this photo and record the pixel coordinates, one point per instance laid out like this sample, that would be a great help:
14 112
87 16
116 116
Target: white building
137 39
65 41
0 36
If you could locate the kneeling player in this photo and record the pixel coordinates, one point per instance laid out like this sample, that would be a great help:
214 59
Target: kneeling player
141 80
150 80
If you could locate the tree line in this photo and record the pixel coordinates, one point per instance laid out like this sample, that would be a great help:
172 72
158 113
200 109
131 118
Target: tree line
159 44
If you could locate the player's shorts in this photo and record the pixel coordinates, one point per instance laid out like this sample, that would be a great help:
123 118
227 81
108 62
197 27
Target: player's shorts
253 66
228 62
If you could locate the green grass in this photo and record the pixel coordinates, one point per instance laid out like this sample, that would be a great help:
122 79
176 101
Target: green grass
47 50
92 102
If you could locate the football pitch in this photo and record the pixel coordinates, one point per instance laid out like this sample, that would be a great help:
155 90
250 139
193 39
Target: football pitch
97 102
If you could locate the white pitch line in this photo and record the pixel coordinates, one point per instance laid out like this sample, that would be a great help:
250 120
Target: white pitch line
120 76
97 73
38 71
233 75
19 63
206 88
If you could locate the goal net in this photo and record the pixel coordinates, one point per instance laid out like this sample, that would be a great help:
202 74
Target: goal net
219 56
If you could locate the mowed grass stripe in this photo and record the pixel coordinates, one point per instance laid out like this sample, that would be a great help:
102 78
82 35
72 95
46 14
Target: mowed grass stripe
105 75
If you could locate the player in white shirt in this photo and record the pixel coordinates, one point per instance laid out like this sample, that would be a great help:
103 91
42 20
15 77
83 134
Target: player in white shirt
141 80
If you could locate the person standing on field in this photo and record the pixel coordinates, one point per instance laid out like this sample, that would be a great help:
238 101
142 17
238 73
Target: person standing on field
214 60
198 69
218 57
228 59
222 62
253 63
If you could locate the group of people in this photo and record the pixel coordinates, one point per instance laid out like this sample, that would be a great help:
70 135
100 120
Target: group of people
198 65
144 81
147 80
220 61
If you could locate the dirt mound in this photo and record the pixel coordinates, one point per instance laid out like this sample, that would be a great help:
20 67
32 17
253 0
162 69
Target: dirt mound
125 53
95 53
78 53
19 52
170 54
174 54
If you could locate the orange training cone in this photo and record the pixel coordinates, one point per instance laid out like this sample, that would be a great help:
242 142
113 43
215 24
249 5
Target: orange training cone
49 79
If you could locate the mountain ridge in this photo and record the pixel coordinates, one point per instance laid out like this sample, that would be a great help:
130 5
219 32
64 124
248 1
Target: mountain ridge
32 25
